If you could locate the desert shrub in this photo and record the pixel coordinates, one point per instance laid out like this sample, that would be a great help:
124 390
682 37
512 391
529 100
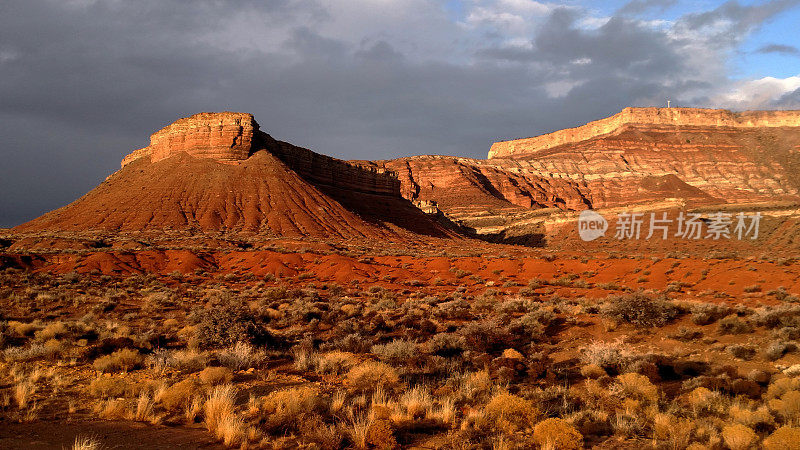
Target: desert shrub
637 386
708 313
788 406
745 352
603 354
487 336
284 410
739 437
752 288
446 344
777 349
396 352
334 362
530 326
216 375
784 438
640 310
240 356
121 360
178 395
228 323
780 386
557 434
734 325
458 309
53 330
368 375
777 317
509 413
105 387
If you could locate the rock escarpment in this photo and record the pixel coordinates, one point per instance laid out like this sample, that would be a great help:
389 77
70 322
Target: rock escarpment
638 157
217 172
647 117
232 137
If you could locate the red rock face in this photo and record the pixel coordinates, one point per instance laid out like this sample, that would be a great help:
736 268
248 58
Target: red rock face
648 118
633 165
217 172
220 136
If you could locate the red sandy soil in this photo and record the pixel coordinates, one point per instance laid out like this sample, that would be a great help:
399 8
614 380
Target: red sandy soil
113 435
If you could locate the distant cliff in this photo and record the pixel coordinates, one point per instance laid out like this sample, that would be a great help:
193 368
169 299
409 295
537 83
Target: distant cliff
682 117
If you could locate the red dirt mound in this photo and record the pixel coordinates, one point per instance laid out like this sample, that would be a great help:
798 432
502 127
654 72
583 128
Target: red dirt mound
259 194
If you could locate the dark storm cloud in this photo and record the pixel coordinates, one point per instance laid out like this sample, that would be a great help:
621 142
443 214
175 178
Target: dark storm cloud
779 48
86 82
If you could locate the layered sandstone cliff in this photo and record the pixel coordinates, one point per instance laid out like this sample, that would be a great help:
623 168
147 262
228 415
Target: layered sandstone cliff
620 162
232 136
653 117
221 136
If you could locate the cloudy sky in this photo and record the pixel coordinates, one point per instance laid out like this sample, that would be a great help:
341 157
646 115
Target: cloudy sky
84 82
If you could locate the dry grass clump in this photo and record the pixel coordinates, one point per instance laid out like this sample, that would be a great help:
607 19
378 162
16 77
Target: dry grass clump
335 362
557 434
637 386
220 415
240 356
86 443
178 395
121 360
105 387
216 375
286 409
367 376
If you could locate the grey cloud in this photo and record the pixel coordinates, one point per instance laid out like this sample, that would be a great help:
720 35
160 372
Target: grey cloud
635 7
88 85
779 48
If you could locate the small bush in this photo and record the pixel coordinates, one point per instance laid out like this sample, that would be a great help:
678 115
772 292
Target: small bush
557 434
745 352
784 438
734 325
637 386
367 376
708 313
739 437
284 410
216 375
121 360
510 413
105 387
396 352
641 310
226 324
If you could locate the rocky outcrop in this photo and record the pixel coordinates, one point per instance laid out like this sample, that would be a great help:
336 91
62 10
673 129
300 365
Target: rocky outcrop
634 165
323 170
221 136
232 136
674 117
